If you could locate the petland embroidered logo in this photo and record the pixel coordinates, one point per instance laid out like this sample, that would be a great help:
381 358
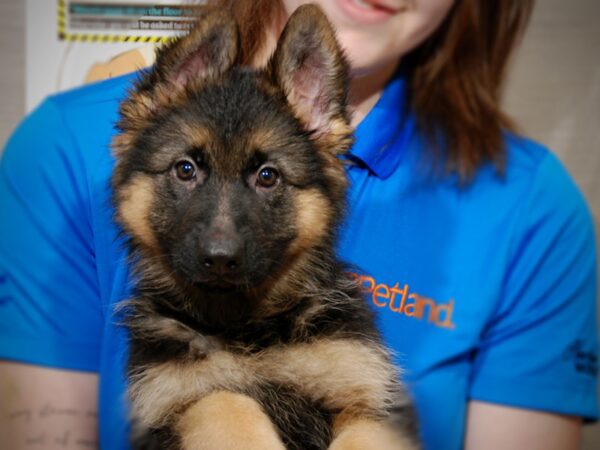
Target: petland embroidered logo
399 300
584 358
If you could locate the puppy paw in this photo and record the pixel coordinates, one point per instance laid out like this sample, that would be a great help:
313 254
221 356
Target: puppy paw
227 421
371 435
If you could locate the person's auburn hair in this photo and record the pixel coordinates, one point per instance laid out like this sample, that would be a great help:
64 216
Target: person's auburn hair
455 76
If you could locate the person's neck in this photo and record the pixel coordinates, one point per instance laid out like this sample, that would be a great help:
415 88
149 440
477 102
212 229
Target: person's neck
366 89
366 86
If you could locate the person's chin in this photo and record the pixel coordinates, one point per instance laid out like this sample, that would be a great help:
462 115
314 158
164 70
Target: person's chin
363 53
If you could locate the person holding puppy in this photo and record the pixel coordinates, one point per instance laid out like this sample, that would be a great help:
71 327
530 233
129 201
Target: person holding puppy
471 242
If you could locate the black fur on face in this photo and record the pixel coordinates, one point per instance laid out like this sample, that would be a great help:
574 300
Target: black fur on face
221 175
231 135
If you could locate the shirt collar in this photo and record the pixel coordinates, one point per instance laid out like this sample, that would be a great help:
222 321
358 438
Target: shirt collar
382 136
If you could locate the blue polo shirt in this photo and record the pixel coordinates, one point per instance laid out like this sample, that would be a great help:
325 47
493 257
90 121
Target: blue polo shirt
484 292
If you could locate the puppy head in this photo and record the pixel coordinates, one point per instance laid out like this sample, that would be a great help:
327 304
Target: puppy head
224 174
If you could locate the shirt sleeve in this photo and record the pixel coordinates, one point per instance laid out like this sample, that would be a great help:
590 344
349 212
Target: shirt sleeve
50 311
540 349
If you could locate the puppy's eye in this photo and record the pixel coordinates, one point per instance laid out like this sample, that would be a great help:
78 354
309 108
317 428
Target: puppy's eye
185 170
267 177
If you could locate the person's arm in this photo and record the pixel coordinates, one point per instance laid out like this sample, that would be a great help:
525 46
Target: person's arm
534 372
50 307
47 409
496 427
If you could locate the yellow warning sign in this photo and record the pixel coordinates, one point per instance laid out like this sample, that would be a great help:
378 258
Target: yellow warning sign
124 20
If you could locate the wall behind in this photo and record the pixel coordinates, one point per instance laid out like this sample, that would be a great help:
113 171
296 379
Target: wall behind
12 65
554 87
554 91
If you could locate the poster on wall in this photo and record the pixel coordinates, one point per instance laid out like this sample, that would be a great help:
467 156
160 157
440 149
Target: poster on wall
73 42
123 20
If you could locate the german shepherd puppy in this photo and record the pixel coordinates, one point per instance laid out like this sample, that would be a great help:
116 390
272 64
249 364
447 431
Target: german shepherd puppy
246 332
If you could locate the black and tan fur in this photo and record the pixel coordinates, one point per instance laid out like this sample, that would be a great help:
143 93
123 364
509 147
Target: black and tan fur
246 332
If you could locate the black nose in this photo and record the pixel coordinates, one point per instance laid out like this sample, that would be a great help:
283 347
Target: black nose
221 257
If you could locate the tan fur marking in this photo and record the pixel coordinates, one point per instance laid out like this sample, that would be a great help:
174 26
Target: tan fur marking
138 108
227 421
338 138
135 204
121 143
370 435
342 373
312 219
196 136
262 138
159 392
341 132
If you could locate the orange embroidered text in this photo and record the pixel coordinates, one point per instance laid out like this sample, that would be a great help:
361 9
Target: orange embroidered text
399 300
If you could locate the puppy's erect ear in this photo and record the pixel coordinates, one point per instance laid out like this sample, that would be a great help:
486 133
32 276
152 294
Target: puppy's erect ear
207 51
309 66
